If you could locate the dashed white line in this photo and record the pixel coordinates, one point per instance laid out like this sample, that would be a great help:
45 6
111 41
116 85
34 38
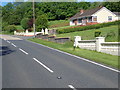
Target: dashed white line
4 39
43 65
8 41
79 58
70 86
14 45
23 51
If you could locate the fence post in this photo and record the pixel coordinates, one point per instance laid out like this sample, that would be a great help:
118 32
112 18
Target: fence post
77 38
99 40
15 32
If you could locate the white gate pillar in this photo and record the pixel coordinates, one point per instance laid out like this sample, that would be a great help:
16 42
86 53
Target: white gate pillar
77 38
99 40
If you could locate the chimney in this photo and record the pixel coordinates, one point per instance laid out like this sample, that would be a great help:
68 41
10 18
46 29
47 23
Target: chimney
81 11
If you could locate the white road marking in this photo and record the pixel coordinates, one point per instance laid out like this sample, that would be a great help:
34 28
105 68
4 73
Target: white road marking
14 45
23 51
8 41
43 65
4 39
79 57
70 86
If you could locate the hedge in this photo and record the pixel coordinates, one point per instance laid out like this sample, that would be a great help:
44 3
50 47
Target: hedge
82 28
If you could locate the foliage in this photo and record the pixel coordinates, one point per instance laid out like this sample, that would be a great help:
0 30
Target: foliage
24 23
97 33
68 30
4 24
10 28
41 22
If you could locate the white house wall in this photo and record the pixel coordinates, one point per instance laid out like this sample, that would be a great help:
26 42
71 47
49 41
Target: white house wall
71 23
102 15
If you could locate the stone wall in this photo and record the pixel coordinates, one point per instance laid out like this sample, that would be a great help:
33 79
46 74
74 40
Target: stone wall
99 45
53 38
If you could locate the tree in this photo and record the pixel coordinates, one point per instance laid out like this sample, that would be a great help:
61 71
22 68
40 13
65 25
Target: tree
24 23
41 22
10 28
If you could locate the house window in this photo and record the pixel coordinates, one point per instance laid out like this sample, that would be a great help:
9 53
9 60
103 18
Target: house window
109 18
94 18
79 20
89 19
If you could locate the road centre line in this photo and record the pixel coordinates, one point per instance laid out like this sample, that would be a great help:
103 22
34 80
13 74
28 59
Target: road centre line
4 39
43 65
8 41
14 45
70 86
23 51
79 57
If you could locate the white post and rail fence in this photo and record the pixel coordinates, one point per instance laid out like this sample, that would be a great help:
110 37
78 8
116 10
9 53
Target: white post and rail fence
99 45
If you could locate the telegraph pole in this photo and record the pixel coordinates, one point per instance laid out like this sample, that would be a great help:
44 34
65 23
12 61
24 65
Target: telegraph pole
34 18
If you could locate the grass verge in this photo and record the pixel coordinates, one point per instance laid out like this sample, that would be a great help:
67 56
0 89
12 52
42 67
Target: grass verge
5 32
111 34
106 59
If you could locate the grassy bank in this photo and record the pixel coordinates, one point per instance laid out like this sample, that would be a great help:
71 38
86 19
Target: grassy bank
111 33
6 32
58 23
106 59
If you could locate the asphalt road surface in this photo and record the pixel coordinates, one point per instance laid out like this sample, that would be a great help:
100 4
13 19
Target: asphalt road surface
29 65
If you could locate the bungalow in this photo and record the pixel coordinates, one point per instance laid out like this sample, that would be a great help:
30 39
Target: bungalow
92 16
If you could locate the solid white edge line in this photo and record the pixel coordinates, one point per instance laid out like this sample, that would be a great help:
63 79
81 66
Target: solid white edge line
14 45
23 51
79 58
43 65
70 86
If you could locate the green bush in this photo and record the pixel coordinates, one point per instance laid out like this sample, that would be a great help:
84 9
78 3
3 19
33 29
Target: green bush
24 23
97 33
10 28
97 26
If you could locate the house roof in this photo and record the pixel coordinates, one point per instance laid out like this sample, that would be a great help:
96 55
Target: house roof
86 13
117 13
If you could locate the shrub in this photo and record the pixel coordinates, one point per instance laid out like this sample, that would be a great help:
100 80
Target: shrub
96 26
41 22
10 28
24 23
97 33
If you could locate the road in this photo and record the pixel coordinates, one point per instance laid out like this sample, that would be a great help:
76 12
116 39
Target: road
29 65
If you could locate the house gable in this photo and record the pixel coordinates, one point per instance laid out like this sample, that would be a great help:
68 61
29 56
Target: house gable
104 8
103 14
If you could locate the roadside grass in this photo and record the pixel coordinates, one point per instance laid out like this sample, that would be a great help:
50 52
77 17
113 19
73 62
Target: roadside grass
18 27
112 31
106 59
58 23
62 27
6 32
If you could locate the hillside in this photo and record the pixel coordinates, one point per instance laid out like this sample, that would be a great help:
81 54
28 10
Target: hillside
111 33
58 23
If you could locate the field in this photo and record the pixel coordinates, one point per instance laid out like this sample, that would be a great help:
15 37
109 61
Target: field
111 34
58 23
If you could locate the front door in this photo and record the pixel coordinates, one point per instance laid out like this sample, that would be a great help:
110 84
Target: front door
75 21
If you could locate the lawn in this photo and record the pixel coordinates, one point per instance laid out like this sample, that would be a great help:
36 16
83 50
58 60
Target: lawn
58 23
112 31
18 27
106 59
